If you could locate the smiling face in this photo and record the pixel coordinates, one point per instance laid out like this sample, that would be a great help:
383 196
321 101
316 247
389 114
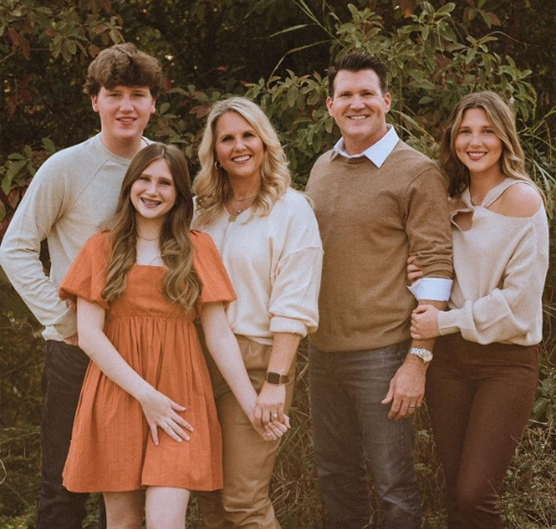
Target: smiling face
153 194
124 113
477 145
238 148
359 108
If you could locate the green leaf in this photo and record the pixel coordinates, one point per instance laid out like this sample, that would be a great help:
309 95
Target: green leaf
445 10
48 145
13 169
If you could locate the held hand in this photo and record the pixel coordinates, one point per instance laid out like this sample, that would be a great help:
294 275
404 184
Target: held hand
424 323
160 412
72 340
413 271
273 430
270 405
407 389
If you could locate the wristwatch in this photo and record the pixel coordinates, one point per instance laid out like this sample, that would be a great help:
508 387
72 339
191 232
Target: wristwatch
424 354
276 378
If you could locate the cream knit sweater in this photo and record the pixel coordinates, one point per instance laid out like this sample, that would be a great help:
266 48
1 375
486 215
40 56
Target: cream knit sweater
73 193
500 265
274 263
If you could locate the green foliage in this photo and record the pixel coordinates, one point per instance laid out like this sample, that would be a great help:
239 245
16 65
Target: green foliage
276 52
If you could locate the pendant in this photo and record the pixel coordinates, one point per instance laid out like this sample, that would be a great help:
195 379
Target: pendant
232 218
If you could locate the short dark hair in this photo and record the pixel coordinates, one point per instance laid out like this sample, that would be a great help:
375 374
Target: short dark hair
355 62
123 65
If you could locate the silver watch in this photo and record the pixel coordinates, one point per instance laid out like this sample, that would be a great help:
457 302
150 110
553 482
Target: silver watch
424 354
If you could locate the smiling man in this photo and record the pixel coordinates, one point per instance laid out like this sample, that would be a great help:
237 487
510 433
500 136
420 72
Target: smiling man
377 202
72 195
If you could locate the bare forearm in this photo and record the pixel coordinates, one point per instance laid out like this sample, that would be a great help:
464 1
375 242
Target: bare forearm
283 352
227 356
101 351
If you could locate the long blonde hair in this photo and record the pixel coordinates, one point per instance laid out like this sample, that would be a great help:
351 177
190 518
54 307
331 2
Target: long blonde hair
181 284
512 161
212 186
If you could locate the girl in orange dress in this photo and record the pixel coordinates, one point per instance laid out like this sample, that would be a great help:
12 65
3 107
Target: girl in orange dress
146 430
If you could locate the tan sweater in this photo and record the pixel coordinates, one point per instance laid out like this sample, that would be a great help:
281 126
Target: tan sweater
500 264
371 219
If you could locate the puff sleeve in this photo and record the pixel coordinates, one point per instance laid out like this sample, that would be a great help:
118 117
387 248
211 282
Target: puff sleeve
86 276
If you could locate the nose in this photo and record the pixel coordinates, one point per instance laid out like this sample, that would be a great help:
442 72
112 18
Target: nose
125 104
357 102
151 188
239 145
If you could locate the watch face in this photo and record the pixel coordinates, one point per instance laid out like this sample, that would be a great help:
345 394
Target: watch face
273 378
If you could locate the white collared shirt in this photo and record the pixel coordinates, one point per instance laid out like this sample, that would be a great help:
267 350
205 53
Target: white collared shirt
377 152
427 288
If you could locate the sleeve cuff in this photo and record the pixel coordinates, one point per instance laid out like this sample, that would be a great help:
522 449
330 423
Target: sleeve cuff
432 288
67 326
447 322
278 324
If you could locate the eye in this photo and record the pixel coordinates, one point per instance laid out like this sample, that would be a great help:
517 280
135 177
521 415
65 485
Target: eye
489 131
249 135
226 138
464 131
143 178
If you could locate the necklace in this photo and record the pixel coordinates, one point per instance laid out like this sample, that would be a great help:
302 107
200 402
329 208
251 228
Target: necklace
236 212
244 199
145 239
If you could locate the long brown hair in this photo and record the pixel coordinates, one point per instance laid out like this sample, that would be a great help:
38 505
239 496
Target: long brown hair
512 161
181 284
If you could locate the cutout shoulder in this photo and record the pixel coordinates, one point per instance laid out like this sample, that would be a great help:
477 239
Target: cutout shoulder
520 200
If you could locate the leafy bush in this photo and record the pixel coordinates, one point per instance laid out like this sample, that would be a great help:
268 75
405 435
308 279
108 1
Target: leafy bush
435 55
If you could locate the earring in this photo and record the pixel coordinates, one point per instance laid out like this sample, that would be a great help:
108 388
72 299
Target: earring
217 165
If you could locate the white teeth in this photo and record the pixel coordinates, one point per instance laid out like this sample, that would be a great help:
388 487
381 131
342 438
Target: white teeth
357 117
242 158
476 155
150 202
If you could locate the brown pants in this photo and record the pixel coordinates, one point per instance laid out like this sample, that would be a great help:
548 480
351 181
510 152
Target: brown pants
480 398
248 459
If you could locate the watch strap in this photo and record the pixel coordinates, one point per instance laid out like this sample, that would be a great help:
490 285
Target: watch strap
276 378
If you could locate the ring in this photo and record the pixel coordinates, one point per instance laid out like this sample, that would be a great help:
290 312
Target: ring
410 406
274 415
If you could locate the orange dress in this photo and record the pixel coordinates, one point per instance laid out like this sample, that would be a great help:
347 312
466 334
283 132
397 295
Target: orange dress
111 448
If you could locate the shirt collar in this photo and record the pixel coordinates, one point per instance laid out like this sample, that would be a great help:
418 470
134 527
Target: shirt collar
377 152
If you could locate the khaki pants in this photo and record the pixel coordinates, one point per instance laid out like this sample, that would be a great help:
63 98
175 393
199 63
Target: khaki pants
248 459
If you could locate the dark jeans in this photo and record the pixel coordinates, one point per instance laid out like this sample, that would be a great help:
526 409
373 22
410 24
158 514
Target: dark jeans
479 399
349 423
64 370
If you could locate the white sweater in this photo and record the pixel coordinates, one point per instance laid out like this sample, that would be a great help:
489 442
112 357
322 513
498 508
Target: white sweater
274 263
500 265
73 193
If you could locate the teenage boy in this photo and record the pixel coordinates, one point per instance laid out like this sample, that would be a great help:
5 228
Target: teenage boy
377 201
71 196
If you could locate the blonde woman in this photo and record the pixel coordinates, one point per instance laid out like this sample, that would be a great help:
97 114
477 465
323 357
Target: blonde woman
482 381
146 430
268 238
